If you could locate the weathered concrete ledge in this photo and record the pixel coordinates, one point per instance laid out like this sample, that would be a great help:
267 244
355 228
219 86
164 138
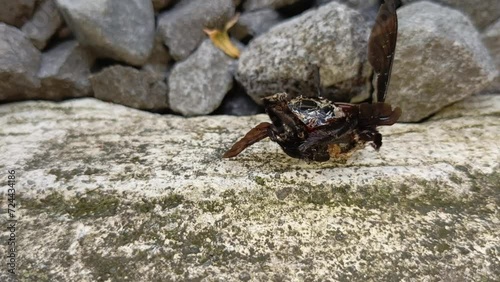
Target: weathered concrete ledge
108 193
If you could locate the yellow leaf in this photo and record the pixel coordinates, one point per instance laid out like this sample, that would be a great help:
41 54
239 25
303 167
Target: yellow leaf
221 40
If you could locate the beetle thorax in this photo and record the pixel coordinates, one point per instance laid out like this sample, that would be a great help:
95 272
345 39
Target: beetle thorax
315 112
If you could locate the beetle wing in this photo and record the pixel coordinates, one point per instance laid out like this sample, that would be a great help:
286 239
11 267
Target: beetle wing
382 46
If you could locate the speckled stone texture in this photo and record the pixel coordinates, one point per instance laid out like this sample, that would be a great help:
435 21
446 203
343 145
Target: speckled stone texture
482 13
107 192
121 30
198 84
439 60
140 89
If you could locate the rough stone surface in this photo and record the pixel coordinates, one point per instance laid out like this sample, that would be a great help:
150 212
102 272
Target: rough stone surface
491 39
43 25
182 27
121 30
482 13
130 87
198 85
19 63
255 23
439 60
333 36
16 12
65 71
250 5
129 195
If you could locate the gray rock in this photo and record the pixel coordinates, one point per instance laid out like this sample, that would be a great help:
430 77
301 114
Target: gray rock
357 4
16 12
130 87
19 63
367 8
65 71
482 13
43 25
251 5
181 28
128 195
473 106
198 85
439 60
334 37
491 39
255 23
121 30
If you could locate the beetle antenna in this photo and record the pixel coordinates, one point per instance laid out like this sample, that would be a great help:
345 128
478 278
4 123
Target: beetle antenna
317 80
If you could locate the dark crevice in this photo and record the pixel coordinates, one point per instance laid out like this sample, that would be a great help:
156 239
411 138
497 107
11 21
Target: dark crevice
296 8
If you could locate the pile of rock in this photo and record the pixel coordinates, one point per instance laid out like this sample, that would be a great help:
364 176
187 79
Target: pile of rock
154 55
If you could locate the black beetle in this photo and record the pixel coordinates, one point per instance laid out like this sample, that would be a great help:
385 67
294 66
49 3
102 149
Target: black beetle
314 128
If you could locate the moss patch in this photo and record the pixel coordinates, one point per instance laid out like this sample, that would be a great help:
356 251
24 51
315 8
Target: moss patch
90 204
166 202
170 235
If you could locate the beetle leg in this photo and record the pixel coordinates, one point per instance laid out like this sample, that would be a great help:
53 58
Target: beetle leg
275 99
373 136
285 122
335 131
254 135
313 75
317 81
377 141
378 114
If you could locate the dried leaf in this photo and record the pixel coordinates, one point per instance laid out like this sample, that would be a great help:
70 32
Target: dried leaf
221 40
